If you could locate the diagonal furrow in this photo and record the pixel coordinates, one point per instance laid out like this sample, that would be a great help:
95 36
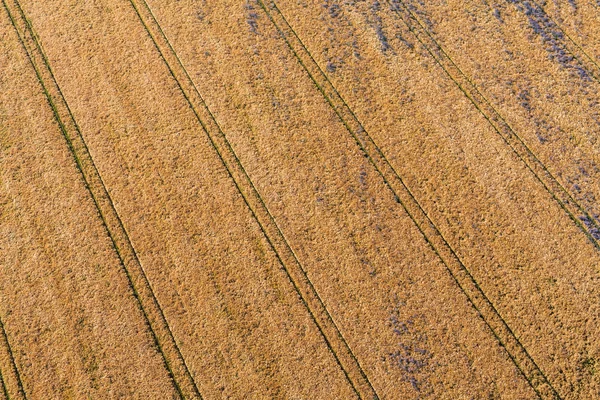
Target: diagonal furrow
285 254
432 235
576 212
141 287
4 390
12 386
585 60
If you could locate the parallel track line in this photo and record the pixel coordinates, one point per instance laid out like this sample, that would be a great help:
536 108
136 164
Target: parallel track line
4 389
579 53
296 273
13 370
541 173
148 304
462 276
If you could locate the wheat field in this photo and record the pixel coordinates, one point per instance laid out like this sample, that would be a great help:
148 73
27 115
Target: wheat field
299 199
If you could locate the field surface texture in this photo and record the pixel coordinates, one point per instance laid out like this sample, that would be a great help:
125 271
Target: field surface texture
299 199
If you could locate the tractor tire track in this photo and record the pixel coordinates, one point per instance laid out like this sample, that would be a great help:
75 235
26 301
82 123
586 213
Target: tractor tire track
4 390
296 272
471 288
10 377
576 212
139 283
586 61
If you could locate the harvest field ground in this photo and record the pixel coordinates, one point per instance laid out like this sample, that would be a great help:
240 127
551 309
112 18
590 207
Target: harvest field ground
299 199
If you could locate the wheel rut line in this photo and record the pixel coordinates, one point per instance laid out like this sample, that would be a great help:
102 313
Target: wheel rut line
578 47
4 389
466 282
14 373
284 253
539 170
138 282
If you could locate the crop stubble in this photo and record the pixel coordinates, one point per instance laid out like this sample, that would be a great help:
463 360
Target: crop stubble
270 122
70 317
367 272
239 326
460 170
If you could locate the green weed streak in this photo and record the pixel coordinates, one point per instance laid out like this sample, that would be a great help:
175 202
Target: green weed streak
359 141
247 202
79 165
20 386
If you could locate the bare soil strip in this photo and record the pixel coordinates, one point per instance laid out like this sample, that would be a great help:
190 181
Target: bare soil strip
273 362
459 172
70 314
266 136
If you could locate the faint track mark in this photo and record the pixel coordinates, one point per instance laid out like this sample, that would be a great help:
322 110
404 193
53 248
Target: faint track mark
575 48
12 385
11 377
558 192
462 276
296 273
4 390
148 303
